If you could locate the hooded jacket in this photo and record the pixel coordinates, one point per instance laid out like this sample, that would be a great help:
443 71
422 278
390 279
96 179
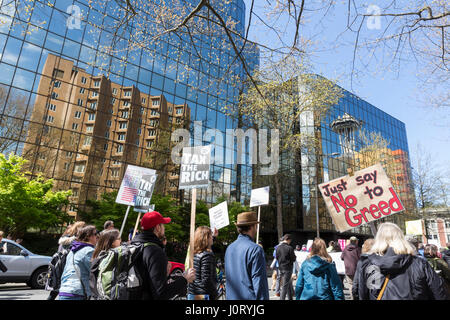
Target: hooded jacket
351 255
72 282
65 242
410 278
318 280
152 267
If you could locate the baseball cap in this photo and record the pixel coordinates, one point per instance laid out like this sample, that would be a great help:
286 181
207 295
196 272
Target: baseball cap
353 238
152 219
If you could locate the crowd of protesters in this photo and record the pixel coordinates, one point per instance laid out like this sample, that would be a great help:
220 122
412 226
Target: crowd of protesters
387 267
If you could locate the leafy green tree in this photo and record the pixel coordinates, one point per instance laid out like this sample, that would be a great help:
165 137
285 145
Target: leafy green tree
28 203
106 208
99 211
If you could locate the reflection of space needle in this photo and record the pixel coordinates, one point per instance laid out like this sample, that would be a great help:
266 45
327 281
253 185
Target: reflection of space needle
346 126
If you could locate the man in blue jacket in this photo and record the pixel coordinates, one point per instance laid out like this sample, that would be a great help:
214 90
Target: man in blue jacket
245 263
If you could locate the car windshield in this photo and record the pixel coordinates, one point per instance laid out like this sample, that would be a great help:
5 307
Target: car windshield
9 249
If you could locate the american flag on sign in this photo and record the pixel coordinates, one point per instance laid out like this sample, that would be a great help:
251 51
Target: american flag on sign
128 194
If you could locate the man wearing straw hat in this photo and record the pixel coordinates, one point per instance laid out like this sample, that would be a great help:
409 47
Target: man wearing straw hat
245 263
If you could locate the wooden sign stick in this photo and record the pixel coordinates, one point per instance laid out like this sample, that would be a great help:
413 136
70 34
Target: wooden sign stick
191 242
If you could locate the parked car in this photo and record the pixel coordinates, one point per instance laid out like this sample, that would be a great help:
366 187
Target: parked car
176 269
23 265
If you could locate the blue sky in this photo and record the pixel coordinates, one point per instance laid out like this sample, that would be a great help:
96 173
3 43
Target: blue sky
397 93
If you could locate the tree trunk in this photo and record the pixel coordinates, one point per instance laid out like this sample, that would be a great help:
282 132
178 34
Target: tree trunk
279 206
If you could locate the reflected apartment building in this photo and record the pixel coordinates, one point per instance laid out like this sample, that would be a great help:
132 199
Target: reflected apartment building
88 111
85 129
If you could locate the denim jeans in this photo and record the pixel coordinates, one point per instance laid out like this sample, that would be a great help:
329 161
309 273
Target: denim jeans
198 297
70 298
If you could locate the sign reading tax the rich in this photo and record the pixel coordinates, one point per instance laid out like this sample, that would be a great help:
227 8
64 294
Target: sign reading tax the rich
145 191
355 200
194 171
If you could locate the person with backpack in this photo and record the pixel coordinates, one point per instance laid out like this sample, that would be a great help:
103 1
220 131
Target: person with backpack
446 254
205 285
152 264
438 264
58 262
75 278
392 271
108 239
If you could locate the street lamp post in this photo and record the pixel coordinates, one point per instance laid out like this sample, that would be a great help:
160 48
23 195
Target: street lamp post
317 191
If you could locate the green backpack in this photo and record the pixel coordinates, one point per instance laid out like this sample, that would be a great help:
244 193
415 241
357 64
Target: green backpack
117 276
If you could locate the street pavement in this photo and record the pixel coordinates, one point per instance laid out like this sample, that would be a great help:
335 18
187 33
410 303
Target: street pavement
20 291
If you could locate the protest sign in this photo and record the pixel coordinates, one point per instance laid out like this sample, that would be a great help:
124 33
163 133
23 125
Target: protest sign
194 170
194 173
218 216
342 243
259 197
145 191
364 197
309 244
130 184
414 227
129 188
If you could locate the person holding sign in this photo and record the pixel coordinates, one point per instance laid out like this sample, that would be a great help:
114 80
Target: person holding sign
392 271
153 263
245 263
204 286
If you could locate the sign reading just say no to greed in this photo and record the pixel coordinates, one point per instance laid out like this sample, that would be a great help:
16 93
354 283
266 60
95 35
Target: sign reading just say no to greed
355 200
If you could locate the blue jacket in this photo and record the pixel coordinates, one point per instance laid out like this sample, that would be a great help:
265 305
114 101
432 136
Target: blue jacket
318 280
275 256
81 254
245 269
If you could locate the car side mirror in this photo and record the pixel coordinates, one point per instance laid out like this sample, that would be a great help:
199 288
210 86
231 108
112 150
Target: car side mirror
24 253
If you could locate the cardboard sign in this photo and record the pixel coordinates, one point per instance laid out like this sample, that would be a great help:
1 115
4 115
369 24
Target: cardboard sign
355 200
145 191
218 216
259 197
342 243
414 227
129 188
194 171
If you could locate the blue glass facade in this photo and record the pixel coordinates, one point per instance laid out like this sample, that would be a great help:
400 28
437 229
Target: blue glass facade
169 68
340 150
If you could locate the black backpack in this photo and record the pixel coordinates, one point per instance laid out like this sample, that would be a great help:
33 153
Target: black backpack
55 270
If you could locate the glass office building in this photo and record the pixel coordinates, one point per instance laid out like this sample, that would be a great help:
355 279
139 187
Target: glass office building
80 113
354 134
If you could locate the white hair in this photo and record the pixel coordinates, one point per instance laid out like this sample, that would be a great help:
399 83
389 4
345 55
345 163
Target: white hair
389 235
